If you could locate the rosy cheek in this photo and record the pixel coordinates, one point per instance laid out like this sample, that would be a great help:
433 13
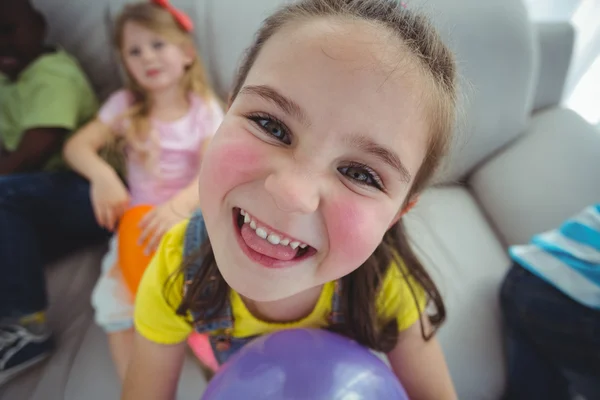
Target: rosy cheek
230 162
355 229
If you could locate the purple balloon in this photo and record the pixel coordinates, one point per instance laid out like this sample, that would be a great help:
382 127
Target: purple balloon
304 364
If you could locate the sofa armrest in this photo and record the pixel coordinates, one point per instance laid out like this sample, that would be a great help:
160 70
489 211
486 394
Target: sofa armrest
546 176
556 41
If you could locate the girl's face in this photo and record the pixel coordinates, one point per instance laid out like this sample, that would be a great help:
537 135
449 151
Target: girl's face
319 150
155 63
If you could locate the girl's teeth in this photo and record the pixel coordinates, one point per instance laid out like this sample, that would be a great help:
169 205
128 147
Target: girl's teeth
261 233
270 237
274 239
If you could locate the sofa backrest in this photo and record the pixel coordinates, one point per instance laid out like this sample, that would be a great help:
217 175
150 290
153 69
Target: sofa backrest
496 54
81 28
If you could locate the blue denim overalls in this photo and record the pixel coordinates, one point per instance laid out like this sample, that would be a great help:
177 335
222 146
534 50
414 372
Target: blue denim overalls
220 325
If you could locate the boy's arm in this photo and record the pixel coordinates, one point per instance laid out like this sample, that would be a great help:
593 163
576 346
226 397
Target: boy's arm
420 366
34 150
153 371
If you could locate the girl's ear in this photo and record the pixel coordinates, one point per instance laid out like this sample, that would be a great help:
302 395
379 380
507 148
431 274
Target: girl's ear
413 201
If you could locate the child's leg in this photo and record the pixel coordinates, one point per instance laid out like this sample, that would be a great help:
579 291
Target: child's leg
547 332
121 344
34 209
114 309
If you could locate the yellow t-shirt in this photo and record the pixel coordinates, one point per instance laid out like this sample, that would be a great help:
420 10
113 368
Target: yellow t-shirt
155 306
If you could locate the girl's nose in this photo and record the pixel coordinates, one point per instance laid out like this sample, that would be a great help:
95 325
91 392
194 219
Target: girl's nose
147 54
293 191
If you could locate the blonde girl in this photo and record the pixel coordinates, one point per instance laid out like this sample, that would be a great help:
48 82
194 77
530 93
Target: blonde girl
161 122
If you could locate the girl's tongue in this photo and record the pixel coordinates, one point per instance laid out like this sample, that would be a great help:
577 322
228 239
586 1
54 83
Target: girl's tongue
279 252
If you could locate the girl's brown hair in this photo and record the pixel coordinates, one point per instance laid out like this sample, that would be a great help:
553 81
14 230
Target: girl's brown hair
360 288
159 20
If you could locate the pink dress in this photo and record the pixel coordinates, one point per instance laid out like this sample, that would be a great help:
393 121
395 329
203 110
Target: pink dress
174 146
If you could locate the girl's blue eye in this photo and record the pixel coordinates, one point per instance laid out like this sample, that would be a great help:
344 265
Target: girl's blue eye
273 128
362 174
157 45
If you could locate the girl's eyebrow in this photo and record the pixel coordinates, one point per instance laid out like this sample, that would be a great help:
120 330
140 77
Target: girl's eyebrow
287 105
366 144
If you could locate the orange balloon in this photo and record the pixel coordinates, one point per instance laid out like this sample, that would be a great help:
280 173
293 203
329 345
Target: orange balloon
132 260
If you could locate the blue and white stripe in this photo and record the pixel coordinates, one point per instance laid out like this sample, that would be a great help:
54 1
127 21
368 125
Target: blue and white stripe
568 257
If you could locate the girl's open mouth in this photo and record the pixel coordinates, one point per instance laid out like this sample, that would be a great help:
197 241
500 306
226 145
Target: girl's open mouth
268 246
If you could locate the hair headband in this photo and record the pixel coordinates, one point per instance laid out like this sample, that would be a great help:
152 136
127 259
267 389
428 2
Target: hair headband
182 18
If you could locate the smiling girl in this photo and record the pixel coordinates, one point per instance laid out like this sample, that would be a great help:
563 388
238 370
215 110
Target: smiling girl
339 116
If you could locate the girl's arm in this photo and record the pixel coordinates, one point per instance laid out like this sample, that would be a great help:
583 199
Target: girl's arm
157 222
187 198
421 367
153 371
81 151
109 195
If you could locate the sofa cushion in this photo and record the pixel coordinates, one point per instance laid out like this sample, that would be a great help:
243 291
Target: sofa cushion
93 376
460 250
543 178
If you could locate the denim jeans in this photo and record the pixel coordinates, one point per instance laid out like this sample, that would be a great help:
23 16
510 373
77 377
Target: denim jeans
547 333
42 216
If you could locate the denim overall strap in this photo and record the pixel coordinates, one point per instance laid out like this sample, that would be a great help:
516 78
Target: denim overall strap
337 315
224 345
195 236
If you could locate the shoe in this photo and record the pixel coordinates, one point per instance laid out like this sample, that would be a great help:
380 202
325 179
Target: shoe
20 349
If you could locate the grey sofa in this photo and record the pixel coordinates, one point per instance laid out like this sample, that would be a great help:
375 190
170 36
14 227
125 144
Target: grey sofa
520 165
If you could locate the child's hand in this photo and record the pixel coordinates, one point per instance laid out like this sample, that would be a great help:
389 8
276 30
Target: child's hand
157 222
110 199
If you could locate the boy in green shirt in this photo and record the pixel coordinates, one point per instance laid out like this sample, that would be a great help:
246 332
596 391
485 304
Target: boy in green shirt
45 209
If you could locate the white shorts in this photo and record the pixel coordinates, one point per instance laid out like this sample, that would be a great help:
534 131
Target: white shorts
111 297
